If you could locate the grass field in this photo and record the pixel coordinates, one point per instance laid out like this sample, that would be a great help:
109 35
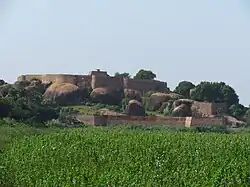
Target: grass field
123 156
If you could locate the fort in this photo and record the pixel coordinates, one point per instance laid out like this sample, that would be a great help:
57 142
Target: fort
99 78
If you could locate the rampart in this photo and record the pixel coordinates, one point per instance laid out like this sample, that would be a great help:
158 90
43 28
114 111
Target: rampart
151 120
99 78
106 81
145 85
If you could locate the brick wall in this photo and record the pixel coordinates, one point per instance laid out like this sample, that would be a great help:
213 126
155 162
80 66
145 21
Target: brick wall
210 108
207 121
219 106
102 81
29 77
83 80
152 120
61 78
145 85
88 119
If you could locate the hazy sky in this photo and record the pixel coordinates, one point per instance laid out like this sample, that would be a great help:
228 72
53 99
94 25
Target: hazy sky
177 39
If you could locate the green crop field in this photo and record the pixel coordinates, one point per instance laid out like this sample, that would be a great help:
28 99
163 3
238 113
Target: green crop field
126 157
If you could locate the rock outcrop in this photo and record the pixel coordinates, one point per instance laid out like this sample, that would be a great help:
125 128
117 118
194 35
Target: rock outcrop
64 93
106 95
132 94
182 108
135 108
157 99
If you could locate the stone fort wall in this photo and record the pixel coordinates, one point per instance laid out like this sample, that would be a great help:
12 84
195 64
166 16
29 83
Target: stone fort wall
151 120
99 79
211 108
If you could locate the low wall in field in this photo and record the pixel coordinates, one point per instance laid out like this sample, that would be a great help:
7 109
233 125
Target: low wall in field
150 120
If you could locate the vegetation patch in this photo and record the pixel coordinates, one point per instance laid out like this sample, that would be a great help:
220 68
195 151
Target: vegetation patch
128 157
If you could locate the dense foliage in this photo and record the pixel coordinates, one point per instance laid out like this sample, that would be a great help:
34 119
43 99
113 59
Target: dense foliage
183 88
145 74
122 157
126 75
215 92
26 104
238 111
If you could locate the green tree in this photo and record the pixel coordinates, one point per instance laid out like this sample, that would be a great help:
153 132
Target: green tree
126 75
145 74
24 104
5 107
2 82
237 110
214 92
183 88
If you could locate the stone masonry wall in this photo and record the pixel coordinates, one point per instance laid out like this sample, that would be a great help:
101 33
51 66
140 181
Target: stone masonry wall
210 108
151 120
106 81
99 79
145 85
62 78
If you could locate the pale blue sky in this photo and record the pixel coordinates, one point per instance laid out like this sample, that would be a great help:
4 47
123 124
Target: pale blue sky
177 39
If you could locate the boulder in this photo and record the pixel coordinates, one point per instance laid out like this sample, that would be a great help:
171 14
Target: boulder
107 95
175 96
178 102
107 112
38 86
21 84
157 99
233 122
132 94
64 93
182 107
135 108
182 111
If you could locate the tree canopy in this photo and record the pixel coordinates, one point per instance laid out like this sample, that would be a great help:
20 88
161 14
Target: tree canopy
237 110
126 75
24 104
145 74
214 92
183 88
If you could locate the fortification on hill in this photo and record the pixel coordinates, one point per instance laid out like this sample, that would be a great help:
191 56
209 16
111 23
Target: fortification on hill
99 78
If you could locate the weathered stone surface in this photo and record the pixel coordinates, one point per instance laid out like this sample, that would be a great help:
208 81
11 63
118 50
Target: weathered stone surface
157 99
64 93
132 94
182 111
106 95
135 108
